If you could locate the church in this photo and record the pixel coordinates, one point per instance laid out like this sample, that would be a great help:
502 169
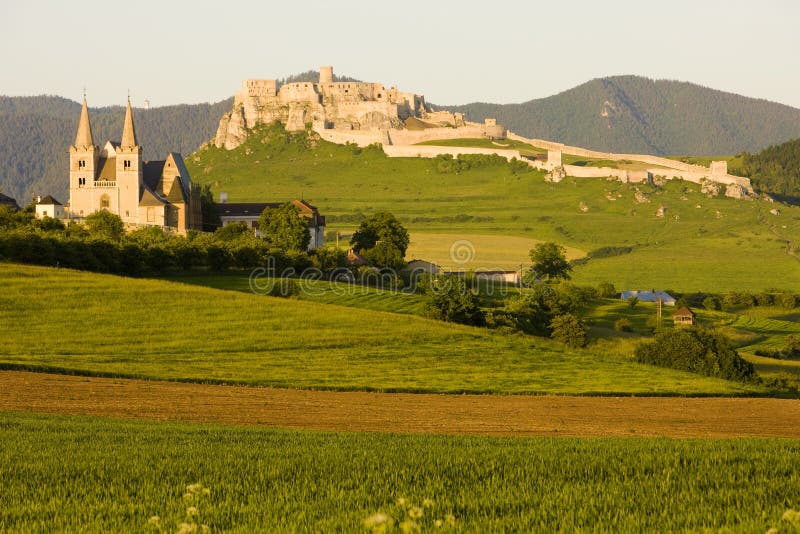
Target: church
115 178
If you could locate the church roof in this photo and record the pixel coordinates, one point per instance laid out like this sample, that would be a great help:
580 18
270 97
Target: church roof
128 131
84 135
48 201
176 194
150 199
108 169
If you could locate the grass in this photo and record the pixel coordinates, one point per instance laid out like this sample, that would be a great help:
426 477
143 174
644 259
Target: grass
106 475
104 325
722 245
525 149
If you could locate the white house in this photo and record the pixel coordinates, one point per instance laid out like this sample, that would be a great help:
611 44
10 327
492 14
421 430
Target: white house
49 207
249 213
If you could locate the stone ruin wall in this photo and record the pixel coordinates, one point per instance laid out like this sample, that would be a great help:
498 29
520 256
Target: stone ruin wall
358 112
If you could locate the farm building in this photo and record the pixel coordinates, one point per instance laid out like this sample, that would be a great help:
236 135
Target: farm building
422 266
684 317
650 296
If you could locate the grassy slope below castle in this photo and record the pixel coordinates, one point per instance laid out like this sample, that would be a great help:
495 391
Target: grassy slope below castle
721 245
105 325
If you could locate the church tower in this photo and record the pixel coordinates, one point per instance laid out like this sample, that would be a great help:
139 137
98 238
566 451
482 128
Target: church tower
130 177
84 157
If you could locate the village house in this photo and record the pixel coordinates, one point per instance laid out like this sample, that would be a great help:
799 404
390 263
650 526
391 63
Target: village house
8 202
49 207
248 213
650 296
684 317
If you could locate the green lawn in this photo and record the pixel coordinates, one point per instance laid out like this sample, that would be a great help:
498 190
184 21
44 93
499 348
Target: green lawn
104 475
722 245
58 319
525 149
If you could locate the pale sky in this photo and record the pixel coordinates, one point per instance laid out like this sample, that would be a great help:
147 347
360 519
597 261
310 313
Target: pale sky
453 52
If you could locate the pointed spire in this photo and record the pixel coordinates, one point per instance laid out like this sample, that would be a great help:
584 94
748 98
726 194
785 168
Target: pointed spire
128 131
84 135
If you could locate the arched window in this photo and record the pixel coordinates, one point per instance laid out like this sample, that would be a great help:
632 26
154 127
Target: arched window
126 164
104 202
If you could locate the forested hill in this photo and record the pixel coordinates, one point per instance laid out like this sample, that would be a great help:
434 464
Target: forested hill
36 132
775 169
640 115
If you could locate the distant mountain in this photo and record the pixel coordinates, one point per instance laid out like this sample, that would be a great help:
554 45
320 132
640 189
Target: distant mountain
36 132
620 114
635 114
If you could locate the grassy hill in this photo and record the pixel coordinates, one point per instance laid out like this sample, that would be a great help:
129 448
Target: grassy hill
701 244
36 132
633 114
208 335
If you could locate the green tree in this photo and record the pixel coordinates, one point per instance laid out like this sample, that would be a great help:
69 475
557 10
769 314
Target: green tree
381 231
697 350
452 301
105 225
550 261
283 228
569 330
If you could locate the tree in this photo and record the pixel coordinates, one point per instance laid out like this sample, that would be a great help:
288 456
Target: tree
283 228
105 225
452 301
697 350
550 261
569 330
384 232
208 207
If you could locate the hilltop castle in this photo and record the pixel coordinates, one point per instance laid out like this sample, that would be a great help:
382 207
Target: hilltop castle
341 112
116 179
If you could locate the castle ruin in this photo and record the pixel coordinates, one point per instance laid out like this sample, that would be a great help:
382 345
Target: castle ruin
359 112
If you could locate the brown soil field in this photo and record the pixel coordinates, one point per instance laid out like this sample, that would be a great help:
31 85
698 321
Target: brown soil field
495 415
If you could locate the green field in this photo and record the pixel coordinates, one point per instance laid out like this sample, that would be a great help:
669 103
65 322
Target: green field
57 319
105 475
525 149
722 245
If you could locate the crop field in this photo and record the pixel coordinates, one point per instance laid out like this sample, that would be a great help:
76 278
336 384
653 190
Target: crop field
82 474
680 251
171 331
358 411
462 252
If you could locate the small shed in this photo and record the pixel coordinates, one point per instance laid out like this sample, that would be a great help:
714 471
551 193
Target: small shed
355 259
684 317
423 266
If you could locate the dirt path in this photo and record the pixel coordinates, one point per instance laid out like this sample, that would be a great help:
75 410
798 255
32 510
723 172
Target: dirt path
380 412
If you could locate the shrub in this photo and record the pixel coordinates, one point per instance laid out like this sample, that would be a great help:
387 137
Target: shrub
696 350
606 290
786 300
451 301
712 303
569 330
623 325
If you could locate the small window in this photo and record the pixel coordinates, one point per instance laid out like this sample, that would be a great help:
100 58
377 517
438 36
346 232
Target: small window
44 213
81 164
127 214
104 202
126 164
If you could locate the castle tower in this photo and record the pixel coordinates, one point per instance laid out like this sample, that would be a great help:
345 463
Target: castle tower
129 170
83 163
326 75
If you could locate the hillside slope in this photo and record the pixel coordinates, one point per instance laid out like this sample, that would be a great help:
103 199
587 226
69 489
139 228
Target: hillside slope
683 249
633 114
36 132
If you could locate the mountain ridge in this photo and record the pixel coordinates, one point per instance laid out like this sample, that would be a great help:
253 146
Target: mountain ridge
628 114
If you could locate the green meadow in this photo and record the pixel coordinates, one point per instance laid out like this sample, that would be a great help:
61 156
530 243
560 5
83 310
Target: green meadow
106 475
701 244
77 322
